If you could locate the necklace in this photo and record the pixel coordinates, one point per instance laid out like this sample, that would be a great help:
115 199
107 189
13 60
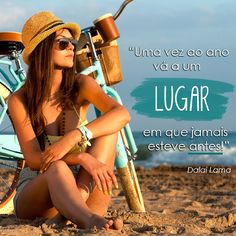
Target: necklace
63 119
61 125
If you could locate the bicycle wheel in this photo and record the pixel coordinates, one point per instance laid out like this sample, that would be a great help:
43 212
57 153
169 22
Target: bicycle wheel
10 165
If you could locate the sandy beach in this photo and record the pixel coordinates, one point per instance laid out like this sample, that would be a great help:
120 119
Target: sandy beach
176 202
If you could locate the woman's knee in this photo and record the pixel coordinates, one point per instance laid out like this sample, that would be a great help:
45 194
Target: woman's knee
112 137
106 140
58 167
104 148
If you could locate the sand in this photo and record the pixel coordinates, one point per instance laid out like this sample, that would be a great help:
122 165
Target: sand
177 203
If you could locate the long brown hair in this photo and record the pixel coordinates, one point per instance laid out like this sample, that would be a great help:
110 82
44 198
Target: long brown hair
38 85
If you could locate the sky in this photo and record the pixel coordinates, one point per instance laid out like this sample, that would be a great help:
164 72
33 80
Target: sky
153 24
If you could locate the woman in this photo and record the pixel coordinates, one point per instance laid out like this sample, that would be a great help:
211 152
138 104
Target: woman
49 116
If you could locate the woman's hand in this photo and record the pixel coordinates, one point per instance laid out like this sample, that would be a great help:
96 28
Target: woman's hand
102 175
52 153
59 149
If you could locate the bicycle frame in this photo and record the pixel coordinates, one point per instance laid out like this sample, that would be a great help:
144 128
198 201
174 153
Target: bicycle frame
121 155
13 83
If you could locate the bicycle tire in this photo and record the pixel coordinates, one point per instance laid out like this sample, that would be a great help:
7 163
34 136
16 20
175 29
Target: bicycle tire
9 169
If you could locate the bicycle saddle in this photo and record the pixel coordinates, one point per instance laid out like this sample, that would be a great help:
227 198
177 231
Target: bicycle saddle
9 42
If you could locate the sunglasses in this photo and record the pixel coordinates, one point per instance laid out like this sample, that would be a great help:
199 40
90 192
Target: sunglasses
63 43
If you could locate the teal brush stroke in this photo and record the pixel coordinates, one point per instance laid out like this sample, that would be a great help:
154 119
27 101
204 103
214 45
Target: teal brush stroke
205 153
145 98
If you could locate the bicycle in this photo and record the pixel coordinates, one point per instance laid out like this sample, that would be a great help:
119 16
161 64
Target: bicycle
12 161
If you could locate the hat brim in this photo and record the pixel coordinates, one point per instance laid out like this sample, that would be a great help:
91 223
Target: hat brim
35 41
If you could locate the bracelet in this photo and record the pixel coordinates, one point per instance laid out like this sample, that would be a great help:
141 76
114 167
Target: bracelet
86 134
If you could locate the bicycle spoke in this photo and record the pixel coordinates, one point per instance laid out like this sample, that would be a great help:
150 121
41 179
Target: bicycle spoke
7 172
3 180
8 165
5 128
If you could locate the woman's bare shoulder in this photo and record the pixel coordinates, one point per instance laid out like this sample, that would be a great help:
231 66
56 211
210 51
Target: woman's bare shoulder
84 80
17 98
80 84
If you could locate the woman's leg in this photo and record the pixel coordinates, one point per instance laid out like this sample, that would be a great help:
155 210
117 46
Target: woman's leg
104 149
57 187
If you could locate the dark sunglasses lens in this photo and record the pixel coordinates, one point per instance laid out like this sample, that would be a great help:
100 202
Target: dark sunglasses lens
75 44
63 43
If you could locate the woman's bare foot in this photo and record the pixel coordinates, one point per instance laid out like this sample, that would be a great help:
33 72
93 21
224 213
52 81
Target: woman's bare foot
57 219
102 223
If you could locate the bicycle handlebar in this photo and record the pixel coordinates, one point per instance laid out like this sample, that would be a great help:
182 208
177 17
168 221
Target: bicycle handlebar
83 41
122 7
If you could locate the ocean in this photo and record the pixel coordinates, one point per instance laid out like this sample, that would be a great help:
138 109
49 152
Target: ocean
225 154
204 150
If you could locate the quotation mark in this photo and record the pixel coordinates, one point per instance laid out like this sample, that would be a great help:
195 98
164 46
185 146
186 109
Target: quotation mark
131 49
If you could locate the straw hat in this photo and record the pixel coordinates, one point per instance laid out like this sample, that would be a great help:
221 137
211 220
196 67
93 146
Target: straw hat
40 26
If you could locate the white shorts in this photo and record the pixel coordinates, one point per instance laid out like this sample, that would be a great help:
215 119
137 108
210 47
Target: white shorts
26 175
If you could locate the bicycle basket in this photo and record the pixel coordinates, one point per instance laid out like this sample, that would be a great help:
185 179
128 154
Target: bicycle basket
108 55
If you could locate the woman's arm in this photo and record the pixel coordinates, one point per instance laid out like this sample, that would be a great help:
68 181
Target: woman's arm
114 116
27 138
24 131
